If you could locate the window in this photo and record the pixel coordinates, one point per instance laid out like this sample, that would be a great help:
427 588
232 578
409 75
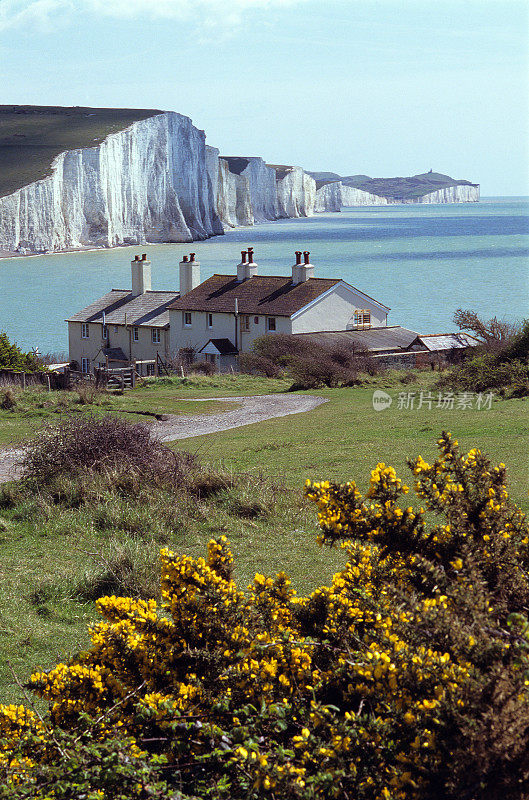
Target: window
271 324
150 370
210 358
245 322
84 330
135 334
105 332
209 318
115 328
188 319
155 334
256 320
85 366
362 318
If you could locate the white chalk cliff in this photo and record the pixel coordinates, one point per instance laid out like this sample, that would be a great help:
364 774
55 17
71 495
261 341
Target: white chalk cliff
147 183
158 181
333 196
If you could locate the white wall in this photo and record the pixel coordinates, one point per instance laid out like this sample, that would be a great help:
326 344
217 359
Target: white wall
118 336
335 311
199 334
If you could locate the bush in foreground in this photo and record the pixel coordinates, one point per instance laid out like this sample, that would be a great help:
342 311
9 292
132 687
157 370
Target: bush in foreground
404 679
101 443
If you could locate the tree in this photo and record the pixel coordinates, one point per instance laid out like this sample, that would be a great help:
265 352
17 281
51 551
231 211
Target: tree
12 357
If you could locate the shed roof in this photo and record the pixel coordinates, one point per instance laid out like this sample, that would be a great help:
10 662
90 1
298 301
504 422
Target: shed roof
375 340
261 294
446 341
148 309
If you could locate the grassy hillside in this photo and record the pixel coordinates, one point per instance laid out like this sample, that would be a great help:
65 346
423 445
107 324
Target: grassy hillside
32 136
410 188
52 550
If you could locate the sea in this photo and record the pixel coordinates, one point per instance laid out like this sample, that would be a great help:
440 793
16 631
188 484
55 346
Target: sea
423 261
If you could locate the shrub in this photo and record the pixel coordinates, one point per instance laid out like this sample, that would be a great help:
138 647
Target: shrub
487 372
310 364
7 399
202 368
12 357
105 443
125 568
406 678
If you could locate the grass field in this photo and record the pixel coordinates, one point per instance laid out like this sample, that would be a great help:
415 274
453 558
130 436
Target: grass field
33 407
47 551
32 136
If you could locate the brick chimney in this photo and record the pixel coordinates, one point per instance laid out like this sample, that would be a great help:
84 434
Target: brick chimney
189 274
141 275
247 268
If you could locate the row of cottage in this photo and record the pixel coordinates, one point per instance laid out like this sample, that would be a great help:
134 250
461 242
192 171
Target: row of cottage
219 318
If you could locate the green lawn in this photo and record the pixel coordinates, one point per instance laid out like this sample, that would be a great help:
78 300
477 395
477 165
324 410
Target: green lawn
345 437
34 407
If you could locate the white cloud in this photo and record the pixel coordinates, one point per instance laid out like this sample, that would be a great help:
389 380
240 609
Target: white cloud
43 13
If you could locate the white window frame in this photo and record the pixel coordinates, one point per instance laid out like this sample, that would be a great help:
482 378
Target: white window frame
135 334
245 323
362 318
209 320
85 365
187 315
156 335
271 326
85 330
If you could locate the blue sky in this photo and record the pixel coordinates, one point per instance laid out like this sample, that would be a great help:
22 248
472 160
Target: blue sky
381 87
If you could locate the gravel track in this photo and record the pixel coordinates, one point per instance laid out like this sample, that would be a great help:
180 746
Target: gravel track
249 411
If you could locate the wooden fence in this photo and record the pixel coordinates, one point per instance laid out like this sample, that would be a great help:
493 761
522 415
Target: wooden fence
25 380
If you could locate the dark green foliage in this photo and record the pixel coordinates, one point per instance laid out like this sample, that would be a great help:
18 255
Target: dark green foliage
89 762
13 358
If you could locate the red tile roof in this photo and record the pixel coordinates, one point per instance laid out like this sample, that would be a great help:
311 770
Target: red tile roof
261 294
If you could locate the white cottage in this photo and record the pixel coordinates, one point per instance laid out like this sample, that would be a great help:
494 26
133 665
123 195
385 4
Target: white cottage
215 319
227 312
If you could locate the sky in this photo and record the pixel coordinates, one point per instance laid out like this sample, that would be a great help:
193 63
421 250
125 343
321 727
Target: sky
378 87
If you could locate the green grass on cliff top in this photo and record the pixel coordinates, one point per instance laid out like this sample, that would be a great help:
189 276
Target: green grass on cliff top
32 136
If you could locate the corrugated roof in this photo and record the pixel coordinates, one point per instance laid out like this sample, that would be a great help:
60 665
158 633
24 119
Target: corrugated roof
261 294
376 340
148 309
447 341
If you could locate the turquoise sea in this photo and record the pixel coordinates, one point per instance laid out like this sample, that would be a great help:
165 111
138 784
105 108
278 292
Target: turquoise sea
422 261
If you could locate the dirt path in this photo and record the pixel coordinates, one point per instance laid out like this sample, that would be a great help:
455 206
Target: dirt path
249 411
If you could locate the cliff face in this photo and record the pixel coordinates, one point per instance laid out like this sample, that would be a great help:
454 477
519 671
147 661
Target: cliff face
148 182
296 192
451 194
333 196
250 191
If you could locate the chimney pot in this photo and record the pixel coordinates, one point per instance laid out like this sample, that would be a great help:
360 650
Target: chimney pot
191 256
243 256
298 256
250 255
144 257
185 259
306 255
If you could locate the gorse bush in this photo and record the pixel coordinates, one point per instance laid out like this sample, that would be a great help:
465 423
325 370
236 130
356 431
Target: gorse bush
406 678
